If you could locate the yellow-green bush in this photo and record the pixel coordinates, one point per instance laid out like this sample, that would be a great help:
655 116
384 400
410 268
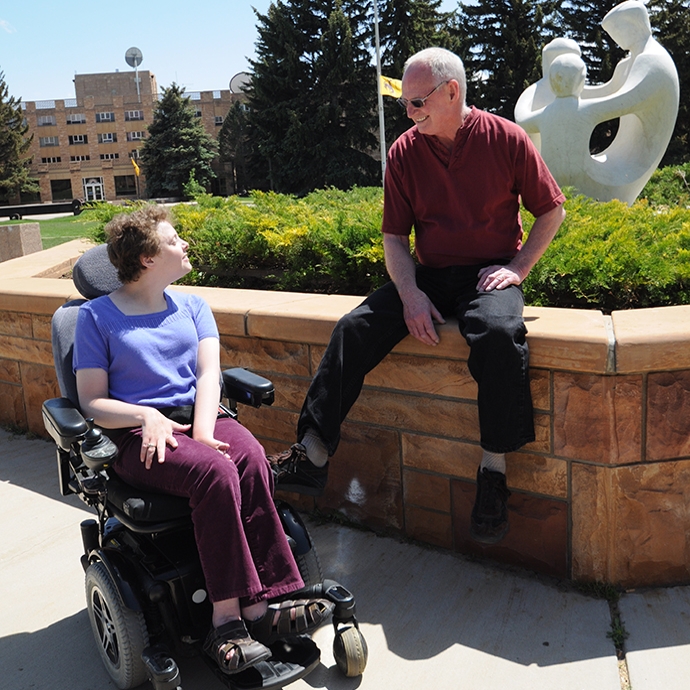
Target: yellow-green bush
606 255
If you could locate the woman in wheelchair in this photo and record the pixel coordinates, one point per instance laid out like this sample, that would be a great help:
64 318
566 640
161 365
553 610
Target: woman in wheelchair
147 363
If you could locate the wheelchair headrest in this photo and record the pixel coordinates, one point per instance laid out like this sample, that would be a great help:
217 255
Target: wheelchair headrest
94 275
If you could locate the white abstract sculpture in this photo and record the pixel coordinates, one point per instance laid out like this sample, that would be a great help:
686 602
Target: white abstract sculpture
560 111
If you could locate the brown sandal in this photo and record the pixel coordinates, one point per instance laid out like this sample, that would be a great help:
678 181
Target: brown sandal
296 617
234 636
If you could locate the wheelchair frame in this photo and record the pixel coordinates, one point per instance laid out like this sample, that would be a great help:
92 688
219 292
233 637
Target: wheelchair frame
145 589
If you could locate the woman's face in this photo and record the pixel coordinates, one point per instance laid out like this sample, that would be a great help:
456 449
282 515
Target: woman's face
172 254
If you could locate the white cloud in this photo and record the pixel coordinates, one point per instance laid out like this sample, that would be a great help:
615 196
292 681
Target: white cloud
4 24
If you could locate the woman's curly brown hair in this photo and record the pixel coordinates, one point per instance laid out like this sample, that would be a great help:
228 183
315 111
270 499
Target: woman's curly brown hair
131 236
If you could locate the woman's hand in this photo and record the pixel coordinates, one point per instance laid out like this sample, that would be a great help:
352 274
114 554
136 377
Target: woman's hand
157 433
214 443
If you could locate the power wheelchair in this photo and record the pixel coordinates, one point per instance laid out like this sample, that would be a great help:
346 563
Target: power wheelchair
145 590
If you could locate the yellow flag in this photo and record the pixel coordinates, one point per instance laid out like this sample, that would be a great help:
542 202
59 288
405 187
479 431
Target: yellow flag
136 167
391 87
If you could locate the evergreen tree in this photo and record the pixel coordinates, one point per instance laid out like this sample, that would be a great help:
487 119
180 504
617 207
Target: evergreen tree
506 38
670 21
177 145
312 98
406 27
234 145
14 167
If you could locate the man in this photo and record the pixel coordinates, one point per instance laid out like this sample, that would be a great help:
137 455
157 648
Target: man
457 176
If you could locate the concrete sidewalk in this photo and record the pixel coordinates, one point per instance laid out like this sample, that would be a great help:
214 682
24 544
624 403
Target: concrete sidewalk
432 620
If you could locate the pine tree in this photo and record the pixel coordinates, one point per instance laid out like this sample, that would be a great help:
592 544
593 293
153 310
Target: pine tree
312 97
670 21
234 145
406 27
506 38
177 145
14 166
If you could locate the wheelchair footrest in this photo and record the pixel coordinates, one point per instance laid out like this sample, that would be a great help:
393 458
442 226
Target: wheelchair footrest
162 669
293 658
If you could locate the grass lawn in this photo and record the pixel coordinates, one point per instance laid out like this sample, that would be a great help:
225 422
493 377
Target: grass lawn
59 230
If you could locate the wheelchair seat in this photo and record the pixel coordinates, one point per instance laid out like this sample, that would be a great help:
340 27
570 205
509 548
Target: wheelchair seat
146 595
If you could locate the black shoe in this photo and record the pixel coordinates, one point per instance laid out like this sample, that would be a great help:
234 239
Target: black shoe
489 521
293 471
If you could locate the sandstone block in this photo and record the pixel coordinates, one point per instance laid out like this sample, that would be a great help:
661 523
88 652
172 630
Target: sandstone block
668 415
16 324
598 418
434 416
9 372
538 535
12 410
426 491
19 240
364 481
264 356
441 455
429 526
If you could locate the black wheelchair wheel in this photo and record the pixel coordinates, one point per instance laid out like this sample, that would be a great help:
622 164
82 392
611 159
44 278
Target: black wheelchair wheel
120 633
309 564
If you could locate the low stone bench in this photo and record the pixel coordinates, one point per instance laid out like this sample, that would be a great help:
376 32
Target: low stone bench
602 494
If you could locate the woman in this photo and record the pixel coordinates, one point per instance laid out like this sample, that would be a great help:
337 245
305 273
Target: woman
143 355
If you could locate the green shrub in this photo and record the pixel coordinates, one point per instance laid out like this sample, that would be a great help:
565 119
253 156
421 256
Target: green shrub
328 241
605 256
669 187
613 256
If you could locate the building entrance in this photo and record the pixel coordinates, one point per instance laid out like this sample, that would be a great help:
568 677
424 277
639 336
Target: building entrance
93 189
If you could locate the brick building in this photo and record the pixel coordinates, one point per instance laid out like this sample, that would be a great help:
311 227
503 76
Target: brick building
83 147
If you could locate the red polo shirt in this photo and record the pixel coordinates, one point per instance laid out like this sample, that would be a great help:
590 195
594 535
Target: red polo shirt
464 204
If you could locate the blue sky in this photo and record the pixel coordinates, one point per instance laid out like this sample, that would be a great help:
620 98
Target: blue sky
200 45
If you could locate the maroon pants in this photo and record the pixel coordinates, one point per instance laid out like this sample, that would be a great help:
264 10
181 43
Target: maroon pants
243 549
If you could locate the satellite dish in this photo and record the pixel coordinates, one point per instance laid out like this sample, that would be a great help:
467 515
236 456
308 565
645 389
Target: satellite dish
240 82
133 57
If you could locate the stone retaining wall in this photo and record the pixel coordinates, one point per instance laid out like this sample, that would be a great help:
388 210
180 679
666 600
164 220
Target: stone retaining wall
602 494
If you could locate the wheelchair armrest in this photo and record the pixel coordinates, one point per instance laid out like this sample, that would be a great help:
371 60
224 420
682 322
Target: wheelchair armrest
63 422
247 388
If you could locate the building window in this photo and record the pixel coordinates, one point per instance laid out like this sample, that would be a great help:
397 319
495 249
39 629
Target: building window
135 136
76 119
61 190
105 117
219 120
44 120
48 141
51 159
76 159
125 185
197 113
134 115
78 139
134 153
107 138
109 156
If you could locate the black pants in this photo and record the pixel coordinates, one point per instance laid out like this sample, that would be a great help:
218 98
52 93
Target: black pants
492 325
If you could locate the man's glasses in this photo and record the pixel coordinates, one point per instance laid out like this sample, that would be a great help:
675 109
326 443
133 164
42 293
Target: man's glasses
419 102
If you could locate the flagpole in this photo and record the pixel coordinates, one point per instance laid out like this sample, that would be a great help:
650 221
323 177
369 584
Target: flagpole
382 122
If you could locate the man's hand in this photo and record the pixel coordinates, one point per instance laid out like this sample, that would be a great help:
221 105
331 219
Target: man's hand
497 278
420 314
